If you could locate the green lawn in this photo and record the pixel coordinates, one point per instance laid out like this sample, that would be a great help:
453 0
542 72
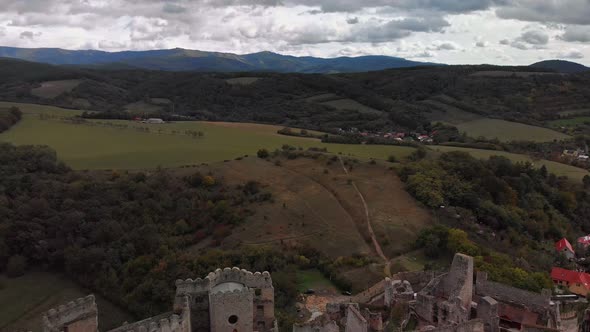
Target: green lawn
570 122
83 146
509 131
312 279
23 300
571 172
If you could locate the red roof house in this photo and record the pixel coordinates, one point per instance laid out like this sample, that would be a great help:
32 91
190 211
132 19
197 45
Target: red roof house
565 246
576 282
584 241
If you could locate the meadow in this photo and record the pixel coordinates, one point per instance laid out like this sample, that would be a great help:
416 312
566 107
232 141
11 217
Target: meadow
97 145
570 122
509 131
559 169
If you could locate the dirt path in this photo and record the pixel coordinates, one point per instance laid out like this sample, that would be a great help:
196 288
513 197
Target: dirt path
369 226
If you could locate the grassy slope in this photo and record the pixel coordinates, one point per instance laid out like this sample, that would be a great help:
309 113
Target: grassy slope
24 299
509 131
52 89
571 172
98 147
570 122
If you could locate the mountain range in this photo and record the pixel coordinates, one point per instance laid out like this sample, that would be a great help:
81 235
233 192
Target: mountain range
191 60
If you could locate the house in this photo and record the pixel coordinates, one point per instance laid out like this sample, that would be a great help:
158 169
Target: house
584 242
154 121
577 282
565 247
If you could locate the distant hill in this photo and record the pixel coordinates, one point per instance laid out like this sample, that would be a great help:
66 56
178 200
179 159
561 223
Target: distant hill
561 66
191 60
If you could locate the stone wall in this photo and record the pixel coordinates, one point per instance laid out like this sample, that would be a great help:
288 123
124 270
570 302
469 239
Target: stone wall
536 302
167 322
487 311
355 322
80 315
474 325
459 282
327 327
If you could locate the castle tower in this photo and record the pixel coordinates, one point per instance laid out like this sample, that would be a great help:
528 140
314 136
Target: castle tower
229 300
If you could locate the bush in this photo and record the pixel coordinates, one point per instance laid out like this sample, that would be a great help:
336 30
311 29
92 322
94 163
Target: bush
262 153
16 266
392 159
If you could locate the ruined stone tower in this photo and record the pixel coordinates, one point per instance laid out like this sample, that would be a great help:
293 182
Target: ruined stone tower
228 300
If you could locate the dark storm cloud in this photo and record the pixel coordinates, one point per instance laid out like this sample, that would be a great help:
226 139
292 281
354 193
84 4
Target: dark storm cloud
576 33
534 37
174 8
556 11
353 20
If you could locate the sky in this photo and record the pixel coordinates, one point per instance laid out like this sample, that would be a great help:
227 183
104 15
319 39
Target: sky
506 32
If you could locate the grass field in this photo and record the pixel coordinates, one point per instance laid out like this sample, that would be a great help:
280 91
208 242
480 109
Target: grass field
349 104
509 131
570 122
52 89
312 279
100 147
24 299
571 172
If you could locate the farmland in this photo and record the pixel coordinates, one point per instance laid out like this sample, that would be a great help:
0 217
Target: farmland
559 169
102 145
23 299
509 131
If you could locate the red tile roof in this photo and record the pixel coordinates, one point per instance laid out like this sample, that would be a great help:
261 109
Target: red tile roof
570 276
563 243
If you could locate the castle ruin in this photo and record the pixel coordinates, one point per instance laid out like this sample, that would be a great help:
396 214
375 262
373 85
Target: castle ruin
228 300
235 300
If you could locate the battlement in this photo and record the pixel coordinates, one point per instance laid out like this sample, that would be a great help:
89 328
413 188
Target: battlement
167 322
232 295
235 274
82 309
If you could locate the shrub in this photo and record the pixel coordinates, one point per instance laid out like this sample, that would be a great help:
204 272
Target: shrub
16 266
262 153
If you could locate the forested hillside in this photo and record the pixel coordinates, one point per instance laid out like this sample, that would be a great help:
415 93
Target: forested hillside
384 100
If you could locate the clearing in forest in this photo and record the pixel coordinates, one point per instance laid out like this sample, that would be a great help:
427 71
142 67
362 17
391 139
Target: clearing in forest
52 89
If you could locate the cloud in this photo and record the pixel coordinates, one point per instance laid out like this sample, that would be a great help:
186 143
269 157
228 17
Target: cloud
352 20
504 42
534 37
173 8
570 54
29 35
550 11
576 33
481 44
443 46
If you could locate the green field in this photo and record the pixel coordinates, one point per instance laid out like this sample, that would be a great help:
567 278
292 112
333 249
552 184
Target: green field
559 169
349 104
24 299
509 131
312 279
83 146
570 122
